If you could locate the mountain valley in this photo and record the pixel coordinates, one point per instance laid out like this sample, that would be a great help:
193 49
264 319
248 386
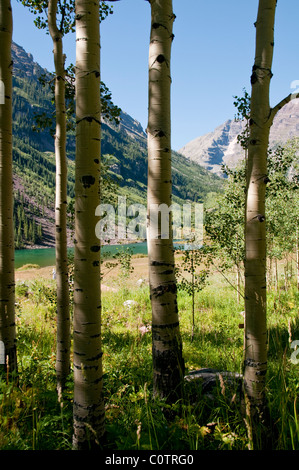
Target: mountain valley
124 156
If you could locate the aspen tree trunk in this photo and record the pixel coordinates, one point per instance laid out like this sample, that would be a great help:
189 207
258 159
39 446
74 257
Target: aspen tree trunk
7 280
193 295
255 366
88 401
168 365
261 118
238 283
276 275
63 309
270 271
297 256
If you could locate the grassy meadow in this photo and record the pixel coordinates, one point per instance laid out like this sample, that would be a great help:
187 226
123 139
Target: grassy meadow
31 418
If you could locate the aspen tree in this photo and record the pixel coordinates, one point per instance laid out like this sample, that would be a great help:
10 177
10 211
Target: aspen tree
168 364
261 119
88 411
49 9
59 22
63 297
7 279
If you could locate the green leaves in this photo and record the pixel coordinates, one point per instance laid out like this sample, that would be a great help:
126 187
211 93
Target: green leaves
224 224
282 196
193 273
243 106
46 119
243 114
65 13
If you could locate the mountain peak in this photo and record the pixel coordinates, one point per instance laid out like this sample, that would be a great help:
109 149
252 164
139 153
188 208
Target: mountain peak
221 146
23 63
131 126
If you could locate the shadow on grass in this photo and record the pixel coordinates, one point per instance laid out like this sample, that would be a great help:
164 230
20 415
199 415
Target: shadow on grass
137 420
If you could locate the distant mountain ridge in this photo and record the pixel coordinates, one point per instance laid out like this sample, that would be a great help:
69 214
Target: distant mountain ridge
23 63
220 146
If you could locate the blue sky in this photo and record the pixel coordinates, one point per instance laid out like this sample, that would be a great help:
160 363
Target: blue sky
212 57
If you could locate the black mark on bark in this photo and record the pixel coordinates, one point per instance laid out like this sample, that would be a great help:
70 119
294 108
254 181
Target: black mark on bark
87 181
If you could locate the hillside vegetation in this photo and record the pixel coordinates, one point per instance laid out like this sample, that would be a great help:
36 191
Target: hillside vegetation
124 155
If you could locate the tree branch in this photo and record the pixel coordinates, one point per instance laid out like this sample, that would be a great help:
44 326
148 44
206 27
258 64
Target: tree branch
281 104
52 21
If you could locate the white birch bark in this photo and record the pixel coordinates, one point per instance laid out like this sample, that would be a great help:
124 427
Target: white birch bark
7 279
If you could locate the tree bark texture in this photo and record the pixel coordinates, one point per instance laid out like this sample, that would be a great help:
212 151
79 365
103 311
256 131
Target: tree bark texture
88 401
63 299
168 364
7 279
255 364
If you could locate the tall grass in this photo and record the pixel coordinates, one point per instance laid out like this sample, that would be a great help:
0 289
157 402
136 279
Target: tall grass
32 418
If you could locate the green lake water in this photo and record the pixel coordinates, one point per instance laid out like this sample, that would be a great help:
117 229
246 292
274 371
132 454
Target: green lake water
46 256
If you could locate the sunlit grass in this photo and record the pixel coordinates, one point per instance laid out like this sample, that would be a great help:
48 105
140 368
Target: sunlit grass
32 418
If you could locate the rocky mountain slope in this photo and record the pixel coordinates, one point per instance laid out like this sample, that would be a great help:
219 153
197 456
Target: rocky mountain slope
221 146
124 151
